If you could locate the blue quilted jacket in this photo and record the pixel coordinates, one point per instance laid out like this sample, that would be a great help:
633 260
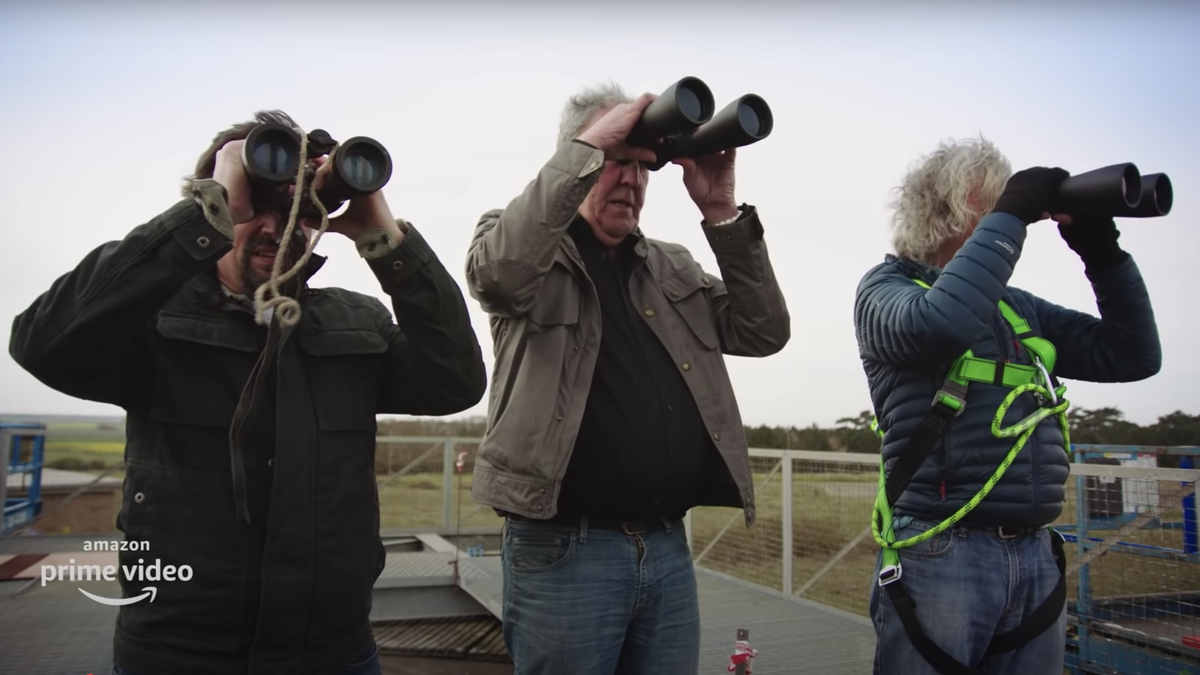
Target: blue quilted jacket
909 336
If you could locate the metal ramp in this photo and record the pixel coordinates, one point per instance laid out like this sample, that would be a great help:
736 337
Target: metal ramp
791 636
420 582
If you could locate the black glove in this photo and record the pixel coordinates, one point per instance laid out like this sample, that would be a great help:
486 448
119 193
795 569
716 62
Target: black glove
1029 193
1094 239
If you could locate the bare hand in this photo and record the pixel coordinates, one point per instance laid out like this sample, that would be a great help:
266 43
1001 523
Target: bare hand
231 175
610 131
369 211
710 183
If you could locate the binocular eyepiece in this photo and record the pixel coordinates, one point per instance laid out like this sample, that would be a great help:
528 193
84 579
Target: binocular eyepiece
680 123
1117 191
361 165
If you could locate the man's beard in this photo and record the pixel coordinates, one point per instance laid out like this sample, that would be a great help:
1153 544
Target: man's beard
252 278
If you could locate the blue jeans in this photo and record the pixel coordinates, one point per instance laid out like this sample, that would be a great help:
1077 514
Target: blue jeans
590 601
366 664
968 585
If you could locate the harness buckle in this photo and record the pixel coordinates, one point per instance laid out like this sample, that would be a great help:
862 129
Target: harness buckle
948 400
889 574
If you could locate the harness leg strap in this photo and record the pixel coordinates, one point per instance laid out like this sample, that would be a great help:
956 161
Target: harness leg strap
1037 623
939 659
1045 615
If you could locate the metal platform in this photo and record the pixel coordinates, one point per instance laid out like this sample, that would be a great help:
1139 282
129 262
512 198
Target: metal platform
54 629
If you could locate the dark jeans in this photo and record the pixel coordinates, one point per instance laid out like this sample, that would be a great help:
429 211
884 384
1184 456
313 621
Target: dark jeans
368 665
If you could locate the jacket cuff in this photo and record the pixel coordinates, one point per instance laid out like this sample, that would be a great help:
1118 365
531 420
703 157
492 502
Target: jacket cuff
375 243
396 265
735 236
213 199
577 159
191 226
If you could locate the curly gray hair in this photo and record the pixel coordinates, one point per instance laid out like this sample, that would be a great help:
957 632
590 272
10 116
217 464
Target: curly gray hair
583 106
943 196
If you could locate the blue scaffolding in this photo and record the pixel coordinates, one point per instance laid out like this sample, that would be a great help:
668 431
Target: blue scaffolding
1147 634
24 448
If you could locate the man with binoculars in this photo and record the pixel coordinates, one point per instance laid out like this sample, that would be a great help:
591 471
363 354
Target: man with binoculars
250 449
963 372
612 413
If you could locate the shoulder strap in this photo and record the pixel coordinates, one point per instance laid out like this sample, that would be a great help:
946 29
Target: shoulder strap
951 399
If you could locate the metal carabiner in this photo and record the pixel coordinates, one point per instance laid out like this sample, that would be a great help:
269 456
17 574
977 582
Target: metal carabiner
1046 383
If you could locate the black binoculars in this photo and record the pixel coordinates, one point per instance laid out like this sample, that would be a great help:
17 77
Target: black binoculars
361 165
680 123
1117 191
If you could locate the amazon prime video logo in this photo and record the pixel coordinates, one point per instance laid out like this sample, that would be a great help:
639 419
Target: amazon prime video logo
142 572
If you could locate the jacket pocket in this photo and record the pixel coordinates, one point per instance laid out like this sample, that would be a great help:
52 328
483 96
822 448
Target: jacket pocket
188 553
201 366
343 368
558 301
533 549
939 545
687 292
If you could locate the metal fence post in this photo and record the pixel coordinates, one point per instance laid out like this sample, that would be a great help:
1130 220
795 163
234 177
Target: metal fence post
687 529
787 523
6 439
447 484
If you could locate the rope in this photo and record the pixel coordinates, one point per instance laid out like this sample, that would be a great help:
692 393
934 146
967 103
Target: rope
881 524
743 653
286 307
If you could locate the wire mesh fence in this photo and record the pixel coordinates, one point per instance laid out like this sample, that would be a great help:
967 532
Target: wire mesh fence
1133 567
1129 519
1133 564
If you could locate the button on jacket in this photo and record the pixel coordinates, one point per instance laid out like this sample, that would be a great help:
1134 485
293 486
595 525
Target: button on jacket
545 323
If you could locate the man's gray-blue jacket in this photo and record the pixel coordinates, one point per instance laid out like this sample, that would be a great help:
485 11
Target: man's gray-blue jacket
909 336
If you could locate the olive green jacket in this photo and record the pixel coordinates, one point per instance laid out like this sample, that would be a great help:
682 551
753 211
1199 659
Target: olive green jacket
545 325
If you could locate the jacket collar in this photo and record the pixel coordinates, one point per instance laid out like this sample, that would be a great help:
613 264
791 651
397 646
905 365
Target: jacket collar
209 285
913 269
586 241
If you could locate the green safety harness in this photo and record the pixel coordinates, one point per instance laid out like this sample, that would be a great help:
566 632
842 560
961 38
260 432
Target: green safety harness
947 405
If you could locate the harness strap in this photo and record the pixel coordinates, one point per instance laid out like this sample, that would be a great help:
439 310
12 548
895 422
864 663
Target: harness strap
948 404
1045 616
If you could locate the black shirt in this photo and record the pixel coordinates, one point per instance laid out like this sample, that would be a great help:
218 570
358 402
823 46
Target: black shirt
643 450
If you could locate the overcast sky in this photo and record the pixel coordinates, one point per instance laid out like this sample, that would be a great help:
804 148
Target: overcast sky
106 109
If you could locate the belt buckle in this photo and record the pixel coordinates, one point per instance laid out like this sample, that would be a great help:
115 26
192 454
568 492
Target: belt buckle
638 528
1000 531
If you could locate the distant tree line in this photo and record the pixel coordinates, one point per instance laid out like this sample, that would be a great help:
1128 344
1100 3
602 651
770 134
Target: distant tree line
853 434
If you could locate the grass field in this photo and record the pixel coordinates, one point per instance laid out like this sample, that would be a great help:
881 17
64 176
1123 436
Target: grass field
89 455
830 510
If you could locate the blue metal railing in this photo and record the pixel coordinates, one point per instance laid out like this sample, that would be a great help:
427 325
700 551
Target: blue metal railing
1099 643
21 510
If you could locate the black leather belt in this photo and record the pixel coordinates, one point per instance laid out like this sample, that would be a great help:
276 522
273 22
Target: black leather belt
1008 531
605 523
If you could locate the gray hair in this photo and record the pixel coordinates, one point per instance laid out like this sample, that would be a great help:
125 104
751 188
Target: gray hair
583 106
944 195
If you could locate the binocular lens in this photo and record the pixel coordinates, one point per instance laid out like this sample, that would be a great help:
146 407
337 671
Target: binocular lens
749 120
364 166
271 153
689 103
273 158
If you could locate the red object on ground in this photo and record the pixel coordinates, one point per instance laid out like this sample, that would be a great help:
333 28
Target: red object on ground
1192 641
